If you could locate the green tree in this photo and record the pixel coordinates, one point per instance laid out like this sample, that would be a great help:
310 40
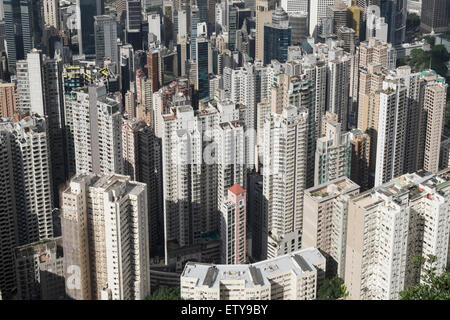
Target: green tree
332 289
412 21
166 293
433 287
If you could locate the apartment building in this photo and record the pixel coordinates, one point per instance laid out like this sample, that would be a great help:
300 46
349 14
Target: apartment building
105 238
295 276
325 218
94 122
26 190
8 99
433 93
40 270
377 240
284 171
233 226
388 227
333 154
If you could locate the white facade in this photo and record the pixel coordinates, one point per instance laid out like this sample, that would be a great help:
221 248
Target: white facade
284 171
317 11
288 277
95 122
391 137
333 154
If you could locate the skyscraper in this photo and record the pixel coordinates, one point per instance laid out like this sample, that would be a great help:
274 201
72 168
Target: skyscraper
284 171
264 10
325 217
105 238
134 24
233 226
317 12
26 190
94 120
333 154
106 41
23 21
86 11
277 37
202 51
435 16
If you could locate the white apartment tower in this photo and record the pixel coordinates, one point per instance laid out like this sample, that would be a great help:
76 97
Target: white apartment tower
391 136
333 154
284 171
94 121
377 240
388 227
105 238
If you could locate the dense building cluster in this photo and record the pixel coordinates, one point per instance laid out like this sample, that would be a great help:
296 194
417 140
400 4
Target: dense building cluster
236 149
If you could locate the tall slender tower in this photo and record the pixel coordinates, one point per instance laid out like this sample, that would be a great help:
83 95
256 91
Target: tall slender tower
284 171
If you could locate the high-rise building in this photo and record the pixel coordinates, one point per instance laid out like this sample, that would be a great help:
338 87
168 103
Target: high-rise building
142 162
93 121
233 226
106 42
325 221
298 21
388 227
377 239
23 28
26 190
86 11
433 93
134 24
339 13
105 238
333 154
51 13
40 270
291 6
277 37
284 171
435 16
360 143
272 279
391 133
264 10
338 85
317 12
202 51
256 219
8 100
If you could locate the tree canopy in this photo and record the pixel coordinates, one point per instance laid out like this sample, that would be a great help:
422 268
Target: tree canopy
332 289
166 293
434 286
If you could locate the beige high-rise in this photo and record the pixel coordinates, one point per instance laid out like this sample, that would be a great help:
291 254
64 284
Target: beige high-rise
105 238
325 211
264 10
433 92
8 96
